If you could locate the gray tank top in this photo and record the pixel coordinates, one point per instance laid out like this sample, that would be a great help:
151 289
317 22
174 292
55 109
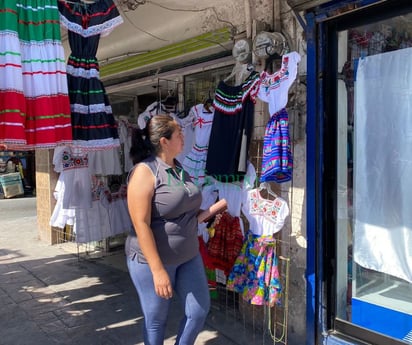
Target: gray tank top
175 204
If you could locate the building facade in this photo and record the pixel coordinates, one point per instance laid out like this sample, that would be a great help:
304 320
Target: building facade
347 242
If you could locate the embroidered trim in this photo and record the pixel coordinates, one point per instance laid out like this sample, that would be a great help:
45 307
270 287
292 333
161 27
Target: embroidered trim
264 207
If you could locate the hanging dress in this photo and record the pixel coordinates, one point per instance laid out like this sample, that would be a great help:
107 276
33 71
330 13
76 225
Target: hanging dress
232 129
195 161
34 102
255 273
92 223
74 166
277 160
94 126
187 125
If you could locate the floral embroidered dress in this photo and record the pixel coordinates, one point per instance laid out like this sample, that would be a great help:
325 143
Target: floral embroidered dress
255 273
34 102
94 126
75 173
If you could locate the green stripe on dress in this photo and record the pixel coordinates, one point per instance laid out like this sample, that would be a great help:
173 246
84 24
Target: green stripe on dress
85 93
31 22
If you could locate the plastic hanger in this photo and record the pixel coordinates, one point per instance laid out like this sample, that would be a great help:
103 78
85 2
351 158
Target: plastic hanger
265 185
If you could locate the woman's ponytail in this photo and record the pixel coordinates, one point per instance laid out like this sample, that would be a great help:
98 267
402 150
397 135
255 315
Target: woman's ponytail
141 147
146 142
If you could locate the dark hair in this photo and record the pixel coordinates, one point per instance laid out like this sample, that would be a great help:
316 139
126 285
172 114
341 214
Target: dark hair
147 141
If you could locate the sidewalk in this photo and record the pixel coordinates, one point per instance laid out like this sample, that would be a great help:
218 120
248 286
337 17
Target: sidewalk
48 295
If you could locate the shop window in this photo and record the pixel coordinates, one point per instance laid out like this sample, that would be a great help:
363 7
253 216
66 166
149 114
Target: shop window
374 165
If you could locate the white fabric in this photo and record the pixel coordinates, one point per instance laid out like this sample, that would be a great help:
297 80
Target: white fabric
382 165
209 197
57 158
125 136
76 177
105 162
256 209
188 129
33 84
92 224
195 161
60 216
116 206
274 87
153 109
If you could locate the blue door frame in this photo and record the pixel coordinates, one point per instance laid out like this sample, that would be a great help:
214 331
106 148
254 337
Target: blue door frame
312 275
315 294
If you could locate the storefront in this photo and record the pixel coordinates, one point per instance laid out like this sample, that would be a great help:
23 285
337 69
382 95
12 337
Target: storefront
17 174
359 259
137 90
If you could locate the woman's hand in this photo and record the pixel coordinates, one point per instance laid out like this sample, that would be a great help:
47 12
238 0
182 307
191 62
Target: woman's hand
162 284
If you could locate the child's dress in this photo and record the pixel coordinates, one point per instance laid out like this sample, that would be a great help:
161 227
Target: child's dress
195 161
255 273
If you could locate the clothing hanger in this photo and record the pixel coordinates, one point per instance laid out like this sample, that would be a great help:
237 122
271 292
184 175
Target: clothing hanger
181 114
231 75
170 102
265 185
208 103
269 62
241 72
170 99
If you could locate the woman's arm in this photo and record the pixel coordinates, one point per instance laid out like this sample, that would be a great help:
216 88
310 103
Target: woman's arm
140 192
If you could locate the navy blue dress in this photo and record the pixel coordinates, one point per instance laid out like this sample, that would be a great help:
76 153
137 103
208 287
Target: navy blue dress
93 123
232 130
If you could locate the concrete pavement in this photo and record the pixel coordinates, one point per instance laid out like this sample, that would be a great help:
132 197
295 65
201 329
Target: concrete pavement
49 295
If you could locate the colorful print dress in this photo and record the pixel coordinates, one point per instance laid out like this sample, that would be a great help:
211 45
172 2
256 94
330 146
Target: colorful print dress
34 102
94 126
255 274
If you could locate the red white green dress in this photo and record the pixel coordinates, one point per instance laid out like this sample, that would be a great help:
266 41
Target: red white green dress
94 126
34 102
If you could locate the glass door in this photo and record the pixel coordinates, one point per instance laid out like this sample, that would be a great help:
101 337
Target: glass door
374 177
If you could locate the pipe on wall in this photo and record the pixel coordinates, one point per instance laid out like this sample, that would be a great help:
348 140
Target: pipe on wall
248 19
277 25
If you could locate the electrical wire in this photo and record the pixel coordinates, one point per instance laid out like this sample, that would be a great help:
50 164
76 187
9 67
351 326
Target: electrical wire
195 10
141 2
124 13
133 6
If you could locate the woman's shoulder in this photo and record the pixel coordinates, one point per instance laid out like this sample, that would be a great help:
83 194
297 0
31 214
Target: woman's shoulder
144 165
149 161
